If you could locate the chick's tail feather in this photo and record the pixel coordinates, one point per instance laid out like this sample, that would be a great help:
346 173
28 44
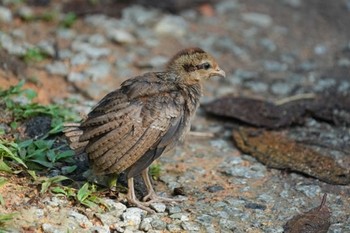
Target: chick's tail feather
73 133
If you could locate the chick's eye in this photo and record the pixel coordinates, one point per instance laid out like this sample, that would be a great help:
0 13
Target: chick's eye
206 66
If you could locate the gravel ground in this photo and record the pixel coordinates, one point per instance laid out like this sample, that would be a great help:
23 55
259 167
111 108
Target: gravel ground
269 49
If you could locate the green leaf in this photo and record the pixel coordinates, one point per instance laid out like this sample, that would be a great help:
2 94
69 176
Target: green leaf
32 174
59 190
2 181
68 169
4 167
8 153
48 182
83 193
65 154
2 201
6 217
30 94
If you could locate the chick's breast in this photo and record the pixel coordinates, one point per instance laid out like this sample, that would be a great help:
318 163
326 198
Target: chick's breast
132 126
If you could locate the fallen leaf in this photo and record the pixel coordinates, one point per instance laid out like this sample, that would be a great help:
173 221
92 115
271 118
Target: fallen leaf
275 150
316 220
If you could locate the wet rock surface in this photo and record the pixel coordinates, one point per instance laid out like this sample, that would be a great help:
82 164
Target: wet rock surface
269 49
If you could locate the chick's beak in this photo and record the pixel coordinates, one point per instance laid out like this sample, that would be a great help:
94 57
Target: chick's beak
219 72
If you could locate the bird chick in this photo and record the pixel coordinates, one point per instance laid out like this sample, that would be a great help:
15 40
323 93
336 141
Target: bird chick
133 125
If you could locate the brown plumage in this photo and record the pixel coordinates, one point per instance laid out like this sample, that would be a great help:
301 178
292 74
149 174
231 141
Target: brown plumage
132 126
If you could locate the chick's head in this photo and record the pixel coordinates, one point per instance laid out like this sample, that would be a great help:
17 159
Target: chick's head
194 65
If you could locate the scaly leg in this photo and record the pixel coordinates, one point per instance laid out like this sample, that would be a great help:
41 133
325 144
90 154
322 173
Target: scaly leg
151 195
133 200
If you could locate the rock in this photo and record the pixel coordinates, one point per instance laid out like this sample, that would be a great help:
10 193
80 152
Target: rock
80 218
25 12
171 25
310 191
79 59
154 62
99 229
214 188
89 50
146 224
133 216
320 49
268 44
76 77
47 47
65 33
158 224
227 224
275 66
114 205
140 15
121 36
174 228
158 207
293 3
97 39
283 89
180 216
233 167
98 70
5 14
14 49
258 19
49 228
227 6
190 226
57 68
174 209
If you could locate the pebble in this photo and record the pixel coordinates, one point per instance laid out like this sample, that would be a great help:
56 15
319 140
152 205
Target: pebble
14 49
275 66
268 44
114 205
158 224
227 224
174 228
89 50
80 218
174 209
293 3
97 39
121 36
228 6
47 47
133 216
257 19
79 59
99 229
49 228
215 188
279 88
25 12
180 216
256 86
5 14
171 25
146 224
140 15
158 207
190 226
98 70
57 68
310 191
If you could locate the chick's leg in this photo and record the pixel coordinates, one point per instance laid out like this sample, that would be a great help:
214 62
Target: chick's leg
132 197
151 195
